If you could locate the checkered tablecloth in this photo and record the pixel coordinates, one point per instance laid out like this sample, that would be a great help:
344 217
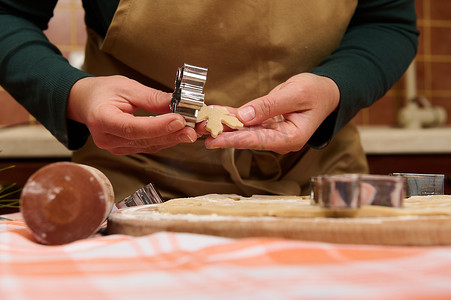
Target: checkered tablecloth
190 266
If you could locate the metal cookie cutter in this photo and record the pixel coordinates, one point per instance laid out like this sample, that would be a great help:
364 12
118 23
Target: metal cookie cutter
423 184
145 195
338 191
188 97
381 190
350 191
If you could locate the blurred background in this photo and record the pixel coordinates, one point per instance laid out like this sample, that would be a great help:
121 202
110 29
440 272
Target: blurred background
389 149
433 62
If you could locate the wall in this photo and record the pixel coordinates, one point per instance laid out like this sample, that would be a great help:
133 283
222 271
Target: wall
433 62
67 31
433 66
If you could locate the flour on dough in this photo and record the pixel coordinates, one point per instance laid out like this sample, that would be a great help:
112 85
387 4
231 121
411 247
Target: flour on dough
298 207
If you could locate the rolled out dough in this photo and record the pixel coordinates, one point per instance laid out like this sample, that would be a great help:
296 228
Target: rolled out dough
299 207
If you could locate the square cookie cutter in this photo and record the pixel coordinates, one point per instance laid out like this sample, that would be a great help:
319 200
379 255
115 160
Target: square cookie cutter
350 191
423 184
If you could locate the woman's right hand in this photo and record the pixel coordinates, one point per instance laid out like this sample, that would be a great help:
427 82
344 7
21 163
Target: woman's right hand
106 106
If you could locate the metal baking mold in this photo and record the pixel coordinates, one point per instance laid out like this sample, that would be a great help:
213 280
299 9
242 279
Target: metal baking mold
188 96
423 184
145 195
350 191
382 190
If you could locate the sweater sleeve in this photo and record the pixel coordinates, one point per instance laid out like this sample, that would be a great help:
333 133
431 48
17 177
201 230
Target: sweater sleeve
34 71
378 46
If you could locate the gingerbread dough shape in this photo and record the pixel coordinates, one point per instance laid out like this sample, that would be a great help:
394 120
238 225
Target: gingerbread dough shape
215 117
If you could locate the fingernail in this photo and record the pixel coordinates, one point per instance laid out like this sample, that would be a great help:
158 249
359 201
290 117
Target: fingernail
185 138
190 139
175 125
246 113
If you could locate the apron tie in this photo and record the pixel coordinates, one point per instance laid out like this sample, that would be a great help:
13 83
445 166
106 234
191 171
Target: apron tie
272 185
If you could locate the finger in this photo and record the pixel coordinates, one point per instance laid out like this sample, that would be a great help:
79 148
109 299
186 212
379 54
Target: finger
157 101
186 135
133 150
148 98
274 104
108 141
132 127
280 137
201 128
255 139
118 145
145 147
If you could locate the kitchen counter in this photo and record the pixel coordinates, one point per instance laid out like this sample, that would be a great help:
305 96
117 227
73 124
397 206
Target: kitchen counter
396 150
34 141
389 140
30 142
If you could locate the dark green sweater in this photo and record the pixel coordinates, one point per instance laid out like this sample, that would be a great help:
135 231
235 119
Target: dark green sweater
377 48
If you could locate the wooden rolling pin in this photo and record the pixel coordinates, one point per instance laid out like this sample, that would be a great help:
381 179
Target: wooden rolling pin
64 202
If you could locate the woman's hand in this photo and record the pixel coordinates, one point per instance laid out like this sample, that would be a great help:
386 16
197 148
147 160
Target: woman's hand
285 119
106 106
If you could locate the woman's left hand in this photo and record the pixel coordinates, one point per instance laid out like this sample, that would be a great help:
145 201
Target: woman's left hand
285 119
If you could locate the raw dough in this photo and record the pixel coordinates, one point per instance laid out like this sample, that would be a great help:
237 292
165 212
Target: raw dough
298 207
216 116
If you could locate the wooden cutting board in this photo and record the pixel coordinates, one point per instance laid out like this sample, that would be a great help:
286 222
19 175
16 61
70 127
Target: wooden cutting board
405 230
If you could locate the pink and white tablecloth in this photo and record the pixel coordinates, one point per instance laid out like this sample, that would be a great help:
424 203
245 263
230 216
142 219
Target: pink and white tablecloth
189 266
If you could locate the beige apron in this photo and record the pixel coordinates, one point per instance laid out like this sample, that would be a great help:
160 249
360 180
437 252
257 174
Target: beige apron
249 47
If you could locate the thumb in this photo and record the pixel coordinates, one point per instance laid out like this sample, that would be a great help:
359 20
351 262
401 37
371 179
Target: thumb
152 99
141 96
257 111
